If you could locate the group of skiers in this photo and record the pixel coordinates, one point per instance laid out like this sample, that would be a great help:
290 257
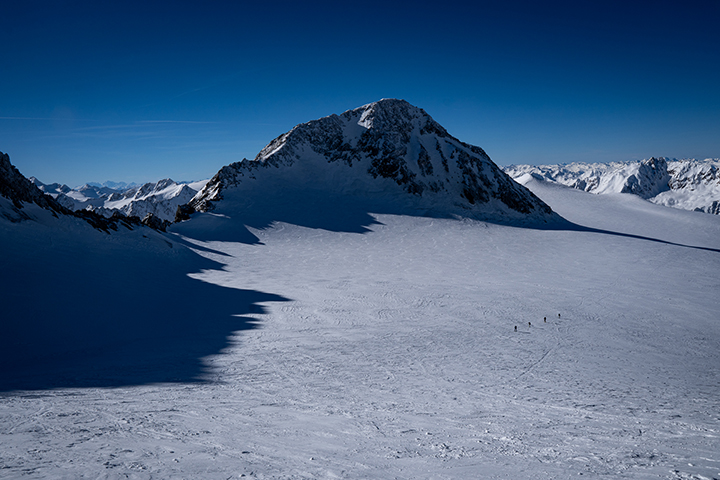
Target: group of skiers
530 323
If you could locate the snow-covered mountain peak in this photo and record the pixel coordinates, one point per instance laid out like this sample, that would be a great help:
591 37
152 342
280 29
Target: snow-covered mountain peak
395 119
52 189
161 199
389 149
392 115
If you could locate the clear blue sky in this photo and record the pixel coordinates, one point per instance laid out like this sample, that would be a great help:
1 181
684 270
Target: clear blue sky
138 91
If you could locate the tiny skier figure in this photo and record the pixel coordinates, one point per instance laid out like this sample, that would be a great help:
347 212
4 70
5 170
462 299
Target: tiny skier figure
544 319
516 328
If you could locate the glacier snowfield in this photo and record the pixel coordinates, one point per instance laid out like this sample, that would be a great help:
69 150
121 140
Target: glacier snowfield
378 346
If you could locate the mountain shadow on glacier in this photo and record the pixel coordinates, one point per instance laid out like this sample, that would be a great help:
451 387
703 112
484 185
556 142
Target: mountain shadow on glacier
80 316
103 307
580 228
231 217
230 220
260 205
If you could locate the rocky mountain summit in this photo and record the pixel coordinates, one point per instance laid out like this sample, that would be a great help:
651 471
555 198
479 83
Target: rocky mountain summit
686 184
388 149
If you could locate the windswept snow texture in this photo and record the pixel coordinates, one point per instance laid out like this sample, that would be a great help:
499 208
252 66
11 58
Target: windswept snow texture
161 198
396 356
387 151
685 184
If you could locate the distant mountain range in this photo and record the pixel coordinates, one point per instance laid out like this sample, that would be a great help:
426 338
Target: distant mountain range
686 184
161 198
21 200
390 152
120 186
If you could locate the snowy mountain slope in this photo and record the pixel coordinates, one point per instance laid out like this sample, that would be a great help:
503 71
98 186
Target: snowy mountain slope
388 152
161 198
89 301
396 356
685 184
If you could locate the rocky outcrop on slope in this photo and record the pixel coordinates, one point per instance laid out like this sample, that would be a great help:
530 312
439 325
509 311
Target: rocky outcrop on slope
18 189
686 184
650 179
388 145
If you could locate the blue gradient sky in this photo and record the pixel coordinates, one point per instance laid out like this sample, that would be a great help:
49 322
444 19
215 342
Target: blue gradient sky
129 91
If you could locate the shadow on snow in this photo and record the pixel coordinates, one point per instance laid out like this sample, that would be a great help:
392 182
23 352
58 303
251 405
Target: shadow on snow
569 226
103 317
345 213
97 315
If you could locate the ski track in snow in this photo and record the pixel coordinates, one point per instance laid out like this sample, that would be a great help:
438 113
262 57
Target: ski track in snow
397 358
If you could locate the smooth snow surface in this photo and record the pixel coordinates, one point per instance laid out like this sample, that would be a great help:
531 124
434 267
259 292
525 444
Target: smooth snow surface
387 349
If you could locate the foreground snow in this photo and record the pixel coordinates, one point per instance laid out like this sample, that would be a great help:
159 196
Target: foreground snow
396 356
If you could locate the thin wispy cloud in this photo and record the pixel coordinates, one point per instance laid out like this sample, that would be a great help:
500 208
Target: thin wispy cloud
174 121
49 118
217 82
142 130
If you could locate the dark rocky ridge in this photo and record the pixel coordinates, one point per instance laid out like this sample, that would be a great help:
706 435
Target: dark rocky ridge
15 187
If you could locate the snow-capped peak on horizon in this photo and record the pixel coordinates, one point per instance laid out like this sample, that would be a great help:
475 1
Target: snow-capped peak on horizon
111 184
386 115
160 198
688 184
387 149
25 199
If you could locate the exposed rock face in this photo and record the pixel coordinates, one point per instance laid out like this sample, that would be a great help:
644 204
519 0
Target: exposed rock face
388 145
650 179
155 222
15 187
686 184
713 208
